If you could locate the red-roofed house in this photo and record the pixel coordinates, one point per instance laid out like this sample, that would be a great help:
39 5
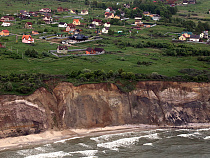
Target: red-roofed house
109 15
76 22
45 10
4 33
84 12
27 39
97 22
70 28
7 18
59 9
28 25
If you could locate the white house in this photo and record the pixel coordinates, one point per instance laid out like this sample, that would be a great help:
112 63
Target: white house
195 38
62 24
107 24
6 24
156 17
105 30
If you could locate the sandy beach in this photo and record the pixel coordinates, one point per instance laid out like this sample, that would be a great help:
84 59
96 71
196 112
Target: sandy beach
56 136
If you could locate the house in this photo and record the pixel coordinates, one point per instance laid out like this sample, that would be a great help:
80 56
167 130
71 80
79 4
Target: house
7 18
107 24
109 9
27 39
182 38
187 34
76 22
127 6
99 50
73 12
206 34
122 13
195 38
97 22
138 18
109 15
138 22
59 9
191 1
117 17
6 24
4 33
92 26
62 49
185 2
28 25
34 32
84 12
146 13
90 51
70 28
62 24
45 10
47 19
105 30
156 17
24 13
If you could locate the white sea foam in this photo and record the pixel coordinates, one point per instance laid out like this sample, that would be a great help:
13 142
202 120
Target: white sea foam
185 135
25 152
87 153
64 140
108 137
124 142
50 155
149 144
42 149
151 136
85 145
203 129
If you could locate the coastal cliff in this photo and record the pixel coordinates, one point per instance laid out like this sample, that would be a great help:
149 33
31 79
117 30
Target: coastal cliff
103 104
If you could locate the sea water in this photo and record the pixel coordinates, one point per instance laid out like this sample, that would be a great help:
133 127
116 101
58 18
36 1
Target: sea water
163 143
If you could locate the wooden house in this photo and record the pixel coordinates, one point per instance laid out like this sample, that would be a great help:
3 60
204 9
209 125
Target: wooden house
90 51
84 12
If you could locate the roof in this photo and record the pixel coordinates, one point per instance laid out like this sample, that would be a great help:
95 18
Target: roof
26 37
99 49
71 25
97 20
5 31
59 8
76 20
107 23
189 33
109 14
89 49
62 47
29 23
195 36
62 23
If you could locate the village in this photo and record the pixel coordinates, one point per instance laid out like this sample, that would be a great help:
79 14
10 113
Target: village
77 31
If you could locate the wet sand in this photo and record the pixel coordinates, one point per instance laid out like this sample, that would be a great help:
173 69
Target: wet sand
56 136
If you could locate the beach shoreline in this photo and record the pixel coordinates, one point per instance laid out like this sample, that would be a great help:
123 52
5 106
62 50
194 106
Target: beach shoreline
52 136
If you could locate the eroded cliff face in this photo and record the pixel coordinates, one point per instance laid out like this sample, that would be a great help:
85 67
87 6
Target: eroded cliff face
99 105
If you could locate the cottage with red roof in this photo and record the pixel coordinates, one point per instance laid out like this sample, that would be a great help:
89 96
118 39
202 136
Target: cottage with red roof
70 28
84 12
27 39
4 33
109 15
76 22
7 18
97 22
28 25
45 10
